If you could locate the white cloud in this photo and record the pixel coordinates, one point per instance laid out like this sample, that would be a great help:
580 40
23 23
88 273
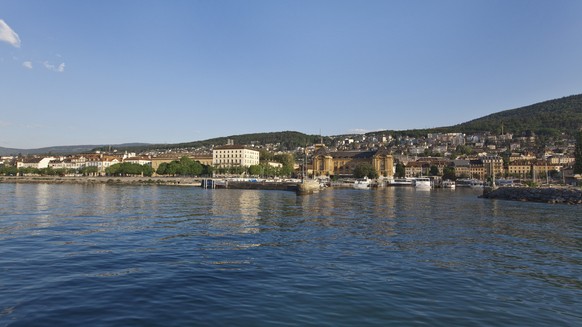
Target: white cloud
59 69
8 35
27 64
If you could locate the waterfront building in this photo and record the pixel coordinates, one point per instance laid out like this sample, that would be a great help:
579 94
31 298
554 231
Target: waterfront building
143 160
102 162
234 155
462 168
438 162
157 161
416 169
204 159
38 163
477 169
72 163
343 163
542 167
493 166
520 168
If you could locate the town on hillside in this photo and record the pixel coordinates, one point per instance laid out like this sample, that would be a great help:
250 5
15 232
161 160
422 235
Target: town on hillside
481 156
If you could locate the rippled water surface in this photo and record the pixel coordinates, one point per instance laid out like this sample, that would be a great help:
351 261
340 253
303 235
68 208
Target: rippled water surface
102 255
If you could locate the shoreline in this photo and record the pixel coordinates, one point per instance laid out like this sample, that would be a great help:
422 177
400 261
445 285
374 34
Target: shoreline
169 181
550 195
182 181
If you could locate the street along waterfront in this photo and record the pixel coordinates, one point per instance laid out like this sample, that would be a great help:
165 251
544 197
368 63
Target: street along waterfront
126 255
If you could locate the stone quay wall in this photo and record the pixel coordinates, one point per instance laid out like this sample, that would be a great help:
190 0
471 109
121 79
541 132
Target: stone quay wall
534 194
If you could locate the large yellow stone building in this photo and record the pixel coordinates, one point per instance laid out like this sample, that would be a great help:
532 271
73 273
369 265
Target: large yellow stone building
343 163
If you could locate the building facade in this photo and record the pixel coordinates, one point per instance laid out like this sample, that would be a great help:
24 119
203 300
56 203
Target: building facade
38 163
343 163
234 155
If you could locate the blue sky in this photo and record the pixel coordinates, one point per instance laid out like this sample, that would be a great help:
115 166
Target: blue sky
116 71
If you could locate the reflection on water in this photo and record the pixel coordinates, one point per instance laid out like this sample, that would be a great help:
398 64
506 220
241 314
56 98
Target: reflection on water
158 255
239 210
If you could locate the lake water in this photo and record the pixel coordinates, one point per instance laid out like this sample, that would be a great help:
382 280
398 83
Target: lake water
103 255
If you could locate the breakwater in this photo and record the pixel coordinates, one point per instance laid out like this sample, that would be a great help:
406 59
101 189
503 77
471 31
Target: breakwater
533 194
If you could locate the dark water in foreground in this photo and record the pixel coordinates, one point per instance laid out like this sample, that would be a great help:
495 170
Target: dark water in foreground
76 255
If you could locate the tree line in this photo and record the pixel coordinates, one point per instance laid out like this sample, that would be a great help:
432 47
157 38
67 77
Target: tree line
8 170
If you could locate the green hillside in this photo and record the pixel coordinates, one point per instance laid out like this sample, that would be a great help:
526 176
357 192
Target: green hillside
287 140
550 118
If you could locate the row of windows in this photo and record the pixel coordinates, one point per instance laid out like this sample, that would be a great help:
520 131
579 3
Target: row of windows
236 156
236 151
235 160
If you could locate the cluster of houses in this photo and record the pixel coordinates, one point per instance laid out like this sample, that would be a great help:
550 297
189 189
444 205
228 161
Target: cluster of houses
437 153
490 156
222 156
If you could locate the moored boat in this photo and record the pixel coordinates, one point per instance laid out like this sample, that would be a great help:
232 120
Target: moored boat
401 182
447 183
362 183
422 182
469 182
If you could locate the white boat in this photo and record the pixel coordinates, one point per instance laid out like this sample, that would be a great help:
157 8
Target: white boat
469 182
447 183
422 182
504 182
401 182
362 183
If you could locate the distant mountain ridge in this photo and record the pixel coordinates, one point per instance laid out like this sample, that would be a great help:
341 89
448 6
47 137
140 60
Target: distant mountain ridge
549 118
287 139
64 149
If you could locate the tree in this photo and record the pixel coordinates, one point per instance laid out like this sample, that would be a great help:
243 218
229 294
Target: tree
126 168
449 172
462 150
434 170
255 170
400 170
147 170
288 161
162 168
365 170
578 154
9 170
88 170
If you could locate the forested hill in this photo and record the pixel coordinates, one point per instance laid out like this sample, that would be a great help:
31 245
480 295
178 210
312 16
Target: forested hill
288 140
550 118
